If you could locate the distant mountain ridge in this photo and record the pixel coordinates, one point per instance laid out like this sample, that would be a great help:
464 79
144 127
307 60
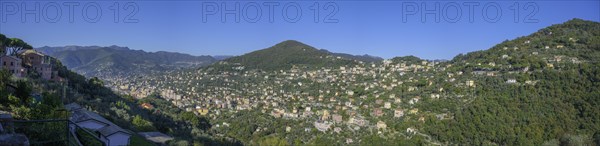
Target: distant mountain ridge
52 50
121 61
115 61
364 58
222 57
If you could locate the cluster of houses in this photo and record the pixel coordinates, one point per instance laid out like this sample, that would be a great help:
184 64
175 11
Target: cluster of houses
324 98
334 107
29 61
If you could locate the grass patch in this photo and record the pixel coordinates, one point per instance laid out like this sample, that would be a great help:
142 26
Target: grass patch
137 140
87 139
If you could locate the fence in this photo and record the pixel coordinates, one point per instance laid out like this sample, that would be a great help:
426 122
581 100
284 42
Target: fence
53 132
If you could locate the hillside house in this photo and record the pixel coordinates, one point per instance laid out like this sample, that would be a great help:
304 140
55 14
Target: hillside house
322 126
470 83
381 125
37 62
147 106
414 111
202 111
357 121
387 105
325 115
13 65
511 81
411 130
414 100
349 140
378 101
398 113
377 112
337 118
421 119
441 116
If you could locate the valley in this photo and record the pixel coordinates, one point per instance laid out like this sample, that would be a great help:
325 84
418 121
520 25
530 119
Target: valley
540 89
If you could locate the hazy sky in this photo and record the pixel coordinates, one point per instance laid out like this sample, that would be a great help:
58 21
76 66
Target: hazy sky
383 28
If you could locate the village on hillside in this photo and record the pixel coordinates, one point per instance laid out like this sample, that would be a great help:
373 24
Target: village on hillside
25 63
28 62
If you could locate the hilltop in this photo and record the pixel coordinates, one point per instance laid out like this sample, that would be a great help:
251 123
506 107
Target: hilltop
286 54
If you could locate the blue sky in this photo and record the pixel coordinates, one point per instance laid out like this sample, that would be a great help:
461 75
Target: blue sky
382 28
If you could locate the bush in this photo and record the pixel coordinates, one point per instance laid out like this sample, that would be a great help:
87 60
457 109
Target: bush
87 139
142 125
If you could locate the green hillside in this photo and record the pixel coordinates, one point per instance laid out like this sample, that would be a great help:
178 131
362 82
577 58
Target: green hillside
540 89
556 97
287 54
114 60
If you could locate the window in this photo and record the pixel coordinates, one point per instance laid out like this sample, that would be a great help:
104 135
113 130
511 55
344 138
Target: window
4 62
12 63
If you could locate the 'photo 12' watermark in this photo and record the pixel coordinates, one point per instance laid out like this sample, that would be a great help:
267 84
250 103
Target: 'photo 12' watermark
209 11
453 12
65 11
270 11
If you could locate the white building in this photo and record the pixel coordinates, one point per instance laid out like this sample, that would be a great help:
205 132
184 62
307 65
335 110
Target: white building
108 132
511 81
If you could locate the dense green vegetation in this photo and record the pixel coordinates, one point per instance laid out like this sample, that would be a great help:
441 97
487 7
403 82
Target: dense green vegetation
287 54
563 102
17 97
552 97
87 138
11 46
363 58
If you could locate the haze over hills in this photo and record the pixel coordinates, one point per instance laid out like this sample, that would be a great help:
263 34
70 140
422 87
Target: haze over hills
363 58
122 61
222 57
115 60
52 50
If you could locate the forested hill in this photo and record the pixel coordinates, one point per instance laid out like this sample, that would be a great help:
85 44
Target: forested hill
52 50
575 38
363 58
539 89
33 98
112 61
408 59
287 54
